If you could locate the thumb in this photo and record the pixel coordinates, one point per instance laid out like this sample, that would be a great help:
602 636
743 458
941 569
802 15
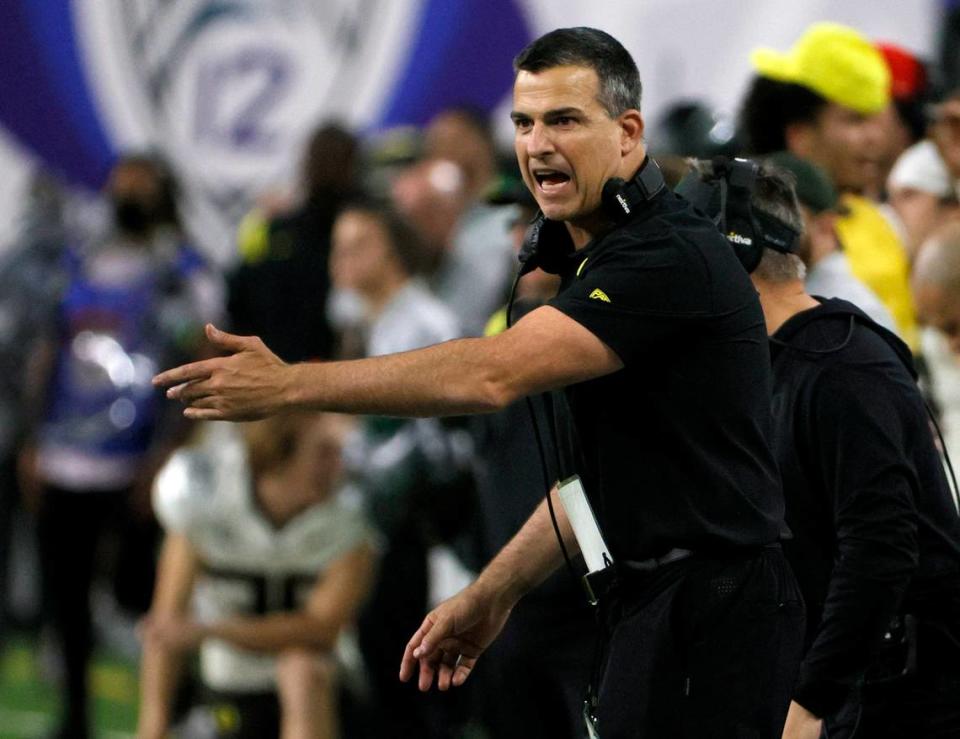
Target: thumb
225 341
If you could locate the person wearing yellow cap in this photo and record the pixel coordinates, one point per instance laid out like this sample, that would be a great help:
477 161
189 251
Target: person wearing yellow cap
821 101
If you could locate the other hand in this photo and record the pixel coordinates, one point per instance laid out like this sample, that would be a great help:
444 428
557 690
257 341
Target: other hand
243 386
801 724
172 631
452 637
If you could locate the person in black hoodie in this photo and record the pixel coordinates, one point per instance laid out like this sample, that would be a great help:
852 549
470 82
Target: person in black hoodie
876 535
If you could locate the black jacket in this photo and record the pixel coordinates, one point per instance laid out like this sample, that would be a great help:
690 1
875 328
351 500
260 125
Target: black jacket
876 532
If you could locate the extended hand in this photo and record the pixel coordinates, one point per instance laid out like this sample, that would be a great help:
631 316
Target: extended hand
243 386
452 638
801 724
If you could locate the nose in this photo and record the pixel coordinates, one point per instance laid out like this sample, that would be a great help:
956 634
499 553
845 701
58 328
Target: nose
539 141
872 133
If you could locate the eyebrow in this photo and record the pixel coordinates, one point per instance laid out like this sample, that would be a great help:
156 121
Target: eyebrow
555 113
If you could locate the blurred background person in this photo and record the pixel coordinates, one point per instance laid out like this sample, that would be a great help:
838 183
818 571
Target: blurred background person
904 120
827 269
922 192
30 282
822 101
280 288
474 277
936 286
410 472
936 282
265 562
131 302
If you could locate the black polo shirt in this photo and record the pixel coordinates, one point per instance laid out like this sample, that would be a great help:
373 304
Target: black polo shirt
674 447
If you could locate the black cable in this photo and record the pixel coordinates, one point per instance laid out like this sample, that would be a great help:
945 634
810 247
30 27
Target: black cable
540 449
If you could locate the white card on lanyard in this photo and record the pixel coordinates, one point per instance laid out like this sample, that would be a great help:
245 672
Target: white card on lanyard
584 524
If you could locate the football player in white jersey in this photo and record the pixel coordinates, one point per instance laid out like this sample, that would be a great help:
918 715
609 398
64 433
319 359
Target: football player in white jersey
265 562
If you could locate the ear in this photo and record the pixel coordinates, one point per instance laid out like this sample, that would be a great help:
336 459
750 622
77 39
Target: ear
800 139
631 130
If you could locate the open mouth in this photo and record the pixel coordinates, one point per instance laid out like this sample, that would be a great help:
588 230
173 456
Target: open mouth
550 180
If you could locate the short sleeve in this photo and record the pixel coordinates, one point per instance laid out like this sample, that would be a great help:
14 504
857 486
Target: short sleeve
634 296
177 500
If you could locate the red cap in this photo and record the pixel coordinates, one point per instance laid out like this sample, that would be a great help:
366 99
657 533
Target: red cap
908 75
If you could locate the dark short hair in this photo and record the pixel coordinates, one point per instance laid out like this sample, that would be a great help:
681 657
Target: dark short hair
770 107
330 159
404 241
620 87
168 189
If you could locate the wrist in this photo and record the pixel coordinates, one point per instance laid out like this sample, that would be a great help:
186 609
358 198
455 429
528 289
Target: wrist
503 585
292 386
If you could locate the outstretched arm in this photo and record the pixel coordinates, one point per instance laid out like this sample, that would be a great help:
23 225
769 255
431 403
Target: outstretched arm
454 635
545 350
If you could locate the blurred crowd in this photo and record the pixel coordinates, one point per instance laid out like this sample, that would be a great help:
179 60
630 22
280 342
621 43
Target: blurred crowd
276 570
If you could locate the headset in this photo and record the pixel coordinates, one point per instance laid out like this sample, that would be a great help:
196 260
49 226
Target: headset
724 194
547 243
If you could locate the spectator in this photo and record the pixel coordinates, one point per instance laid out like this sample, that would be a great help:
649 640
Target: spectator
279 291
29 284
821 101
904 120
473 278
828 271
921 191
405 469
936 283
276 560
945 132
131 302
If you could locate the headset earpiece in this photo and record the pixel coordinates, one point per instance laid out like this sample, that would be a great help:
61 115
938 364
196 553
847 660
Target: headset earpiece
724 193
620 198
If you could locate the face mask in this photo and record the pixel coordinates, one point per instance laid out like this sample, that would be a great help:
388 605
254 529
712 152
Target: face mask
132 216
346 308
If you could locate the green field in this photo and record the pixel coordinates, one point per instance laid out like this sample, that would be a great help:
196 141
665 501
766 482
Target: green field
28 703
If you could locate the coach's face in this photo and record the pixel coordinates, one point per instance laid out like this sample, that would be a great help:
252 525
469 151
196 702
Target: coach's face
567 144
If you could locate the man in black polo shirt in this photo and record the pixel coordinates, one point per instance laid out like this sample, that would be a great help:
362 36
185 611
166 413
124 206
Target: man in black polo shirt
876 536
658 337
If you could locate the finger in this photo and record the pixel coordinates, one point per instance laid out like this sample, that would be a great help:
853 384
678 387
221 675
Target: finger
433 629
228 342
193 393
186 373
463 670
467 653
409 658
427 672
204 414
445 671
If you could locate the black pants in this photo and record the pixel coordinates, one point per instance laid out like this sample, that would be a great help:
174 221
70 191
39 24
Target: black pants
535 673
913 707
71 527
704 647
